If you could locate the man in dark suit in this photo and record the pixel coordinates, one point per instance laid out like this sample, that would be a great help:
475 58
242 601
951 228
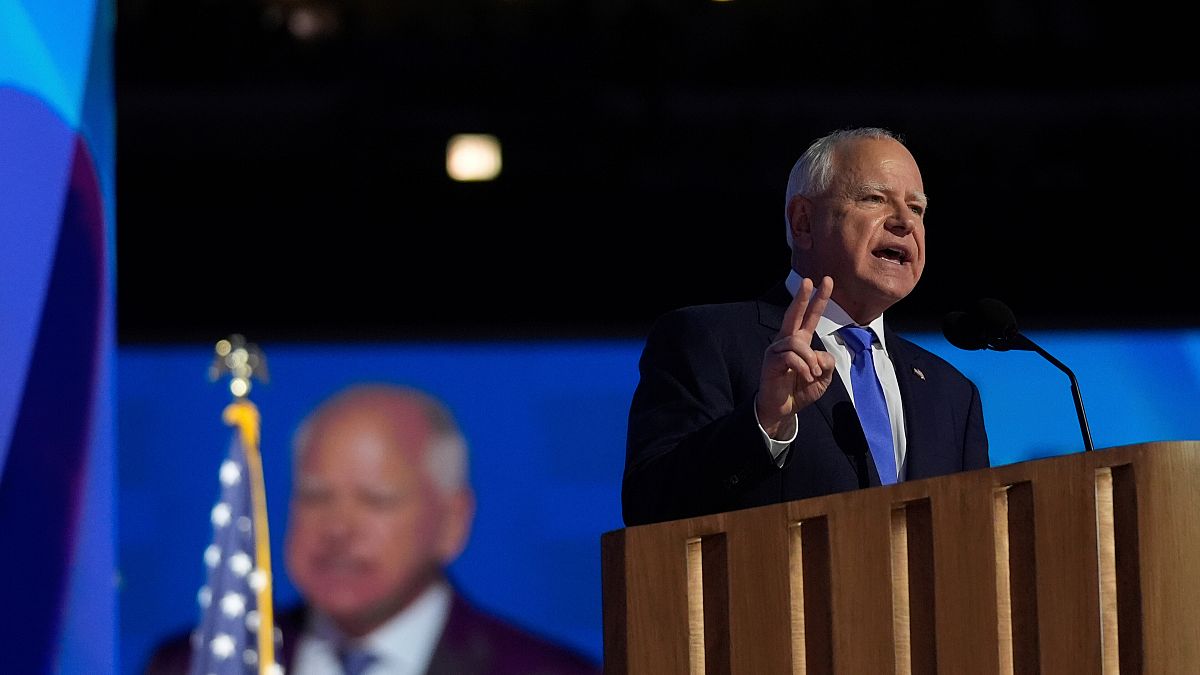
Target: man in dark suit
380 506
750 403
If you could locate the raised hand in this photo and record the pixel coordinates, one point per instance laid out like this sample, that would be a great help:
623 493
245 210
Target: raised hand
794 375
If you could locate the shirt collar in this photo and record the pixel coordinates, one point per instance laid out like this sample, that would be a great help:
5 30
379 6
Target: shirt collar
834 317
409 637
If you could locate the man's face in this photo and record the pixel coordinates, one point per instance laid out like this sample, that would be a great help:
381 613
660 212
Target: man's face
867 231
368 529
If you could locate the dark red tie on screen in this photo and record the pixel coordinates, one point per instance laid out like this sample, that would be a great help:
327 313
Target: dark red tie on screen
356 661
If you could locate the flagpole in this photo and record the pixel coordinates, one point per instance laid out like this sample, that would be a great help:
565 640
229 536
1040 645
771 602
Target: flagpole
244 415
244 362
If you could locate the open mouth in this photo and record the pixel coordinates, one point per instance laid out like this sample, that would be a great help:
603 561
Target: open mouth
896 255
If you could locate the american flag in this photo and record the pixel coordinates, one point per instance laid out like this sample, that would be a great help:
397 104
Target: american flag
236 634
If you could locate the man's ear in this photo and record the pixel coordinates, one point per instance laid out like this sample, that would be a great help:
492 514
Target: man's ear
456 528
800 215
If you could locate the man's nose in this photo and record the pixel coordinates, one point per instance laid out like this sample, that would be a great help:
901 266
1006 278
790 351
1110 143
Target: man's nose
903 220
339 520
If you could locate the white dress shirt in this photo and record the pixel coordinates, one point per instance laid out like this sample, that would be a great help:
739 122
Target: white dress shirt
403 646
833 320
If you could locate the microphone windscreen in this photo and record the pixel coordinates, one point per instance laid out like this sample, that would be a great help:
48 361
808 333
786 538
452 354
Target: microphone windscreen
964 331
995 319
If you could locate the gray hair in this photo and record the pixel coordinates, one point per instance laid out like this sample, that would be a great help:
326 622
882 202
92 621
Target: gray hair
446 456
813 172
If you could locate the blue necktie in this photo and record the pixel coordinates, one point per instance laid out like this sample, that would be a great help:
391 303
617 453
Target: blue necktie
869 401
355 661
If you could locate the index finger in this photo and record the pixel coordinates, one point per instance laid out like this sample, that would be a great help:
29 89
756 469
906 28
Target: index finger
807 307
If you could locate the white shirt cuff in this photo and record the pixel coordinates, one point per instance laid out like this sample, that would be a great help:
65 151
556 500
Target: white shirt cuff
778 449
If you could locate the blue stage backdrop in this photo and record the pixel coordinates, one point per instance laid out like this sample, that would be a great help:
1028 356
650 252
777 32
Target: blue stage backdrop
56 325
546 426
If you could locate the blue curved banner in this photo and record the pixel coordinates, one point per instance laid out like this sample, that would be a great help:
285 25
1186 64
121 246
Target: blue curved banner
57 511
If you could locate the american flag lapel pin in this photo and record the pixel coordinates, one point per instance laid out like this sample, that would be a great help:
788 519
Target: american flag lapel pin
918 373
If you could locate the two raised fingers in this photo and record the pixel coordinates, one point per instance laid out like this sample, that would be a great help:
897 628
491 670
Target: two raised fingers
793 344
806 309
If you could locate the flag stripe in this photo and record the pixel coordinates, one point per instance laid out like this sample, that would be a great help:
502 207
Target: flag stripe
237 599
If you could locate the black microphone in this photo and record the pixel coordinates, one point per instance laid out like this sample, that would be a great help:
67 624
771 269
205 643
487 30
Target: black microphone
990 324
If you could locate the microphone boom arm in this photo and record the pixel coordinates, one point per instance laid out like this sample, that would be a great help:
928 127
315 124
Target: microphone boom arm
991 325
1019 341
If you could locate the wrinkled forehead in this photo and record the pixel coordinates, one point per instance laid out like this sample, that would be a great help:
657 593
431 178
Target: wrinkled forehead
361 434
863 163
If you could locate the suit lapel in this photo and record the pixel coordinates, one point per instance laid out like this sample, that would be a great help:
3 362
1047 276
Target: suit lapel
835 394
835 406
771 307
919 413
838 411
290 623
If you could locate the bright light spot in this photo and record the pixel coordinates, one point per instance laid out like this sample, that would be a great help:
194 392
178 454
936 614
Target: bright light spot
239 386
221 514
252 620
240 564
204 596
274 669
212 555
230 473
258 580
233 604
238 357
313 23
221 646
473 157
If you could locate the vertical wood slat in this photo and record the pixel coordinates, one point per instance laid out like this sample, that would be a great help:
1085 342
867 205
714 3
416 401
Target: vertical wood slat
1067 575
861 585
963 572
811 613
1016 579
656 586
900 599
759 594
1168 528
913 603
1120 584
1126 555
1106 561
1004 623
615 609
708 605
715 552
695 604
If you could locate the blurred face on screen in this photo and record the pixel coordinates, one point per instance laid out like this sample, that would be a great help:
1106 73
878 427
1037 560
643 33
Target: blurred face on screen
369 529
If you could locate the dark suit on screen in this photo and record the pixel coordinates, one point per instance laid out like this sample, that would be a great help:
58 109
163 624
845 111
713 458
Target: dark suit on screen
473 642
694 445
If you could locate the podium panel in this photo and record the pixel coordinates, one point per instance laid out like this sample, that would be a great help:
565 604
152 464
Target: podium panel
1083 563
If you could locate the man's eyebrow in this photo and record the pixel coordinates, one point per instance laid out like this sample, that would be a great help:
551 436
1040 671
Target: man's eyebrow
872 186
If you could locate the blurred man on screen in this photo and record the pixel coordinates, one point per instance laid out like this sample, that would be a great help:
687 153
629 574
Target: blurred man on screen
380 506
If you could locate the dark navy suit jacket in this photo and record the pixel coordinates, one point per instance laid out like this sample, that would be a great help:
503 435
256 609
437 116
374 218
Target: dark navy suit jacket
694 445
472 643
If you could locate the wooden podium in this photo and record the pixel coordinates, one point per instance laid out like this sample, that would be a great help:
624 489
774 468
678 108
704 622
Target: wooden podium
1084 563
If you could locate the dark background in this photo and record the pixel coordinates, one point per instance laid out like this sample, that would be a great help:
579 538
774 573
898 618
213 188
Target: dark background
294 189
